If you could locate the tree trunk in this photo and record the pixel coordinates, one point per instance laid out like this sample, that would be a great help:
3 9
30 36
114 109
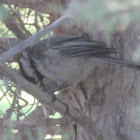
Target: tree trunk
110 97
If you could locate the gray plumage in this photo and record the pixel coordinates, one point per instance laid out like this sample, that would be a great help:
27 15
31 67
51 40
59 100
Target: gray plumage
69 59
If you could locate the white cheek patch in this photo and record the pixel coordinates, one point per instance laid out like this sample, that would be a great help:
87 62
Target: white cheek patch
27 68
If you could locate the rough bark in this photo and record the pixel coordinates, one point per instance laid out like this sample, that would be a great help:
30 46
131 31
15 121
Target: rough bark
109 97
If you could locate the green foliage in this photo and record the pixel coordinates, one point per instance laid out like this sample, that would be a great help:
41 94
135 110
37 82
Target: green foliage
30 18
7 100
5 32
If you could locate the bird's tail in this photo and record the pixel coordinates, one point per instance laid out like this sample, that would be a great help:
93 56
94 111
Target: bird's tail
124 63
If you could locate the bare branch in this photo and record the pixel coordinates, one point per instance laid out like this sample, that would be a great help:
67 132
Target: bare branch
58 105
31 40
36 123
10 25
8 112
44 6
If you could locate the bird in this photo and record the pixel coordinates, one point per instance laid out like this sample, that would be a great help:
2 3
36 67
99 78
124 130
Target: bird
66 58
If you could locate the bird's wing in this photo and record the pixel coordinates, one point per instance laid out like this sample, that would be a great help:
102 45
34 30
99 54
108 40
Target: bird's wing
38 49
82 47
76 46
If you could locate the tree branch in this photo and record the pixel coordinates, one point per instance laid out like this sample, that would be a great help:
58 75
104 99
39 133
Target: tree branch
30 124
10 23
58 105
44 6
31 40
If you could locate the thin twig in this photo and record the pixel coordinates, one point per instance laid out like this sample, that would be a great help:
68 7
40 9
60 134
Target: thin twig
31 40
47 99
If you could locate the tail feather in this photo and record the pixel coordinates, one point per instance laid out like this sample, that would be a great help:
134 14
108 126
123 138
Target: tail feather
124 63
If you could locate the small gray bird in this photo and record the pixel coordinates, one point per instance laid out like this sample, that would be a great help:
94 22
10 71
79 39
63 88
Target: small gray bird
65 58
